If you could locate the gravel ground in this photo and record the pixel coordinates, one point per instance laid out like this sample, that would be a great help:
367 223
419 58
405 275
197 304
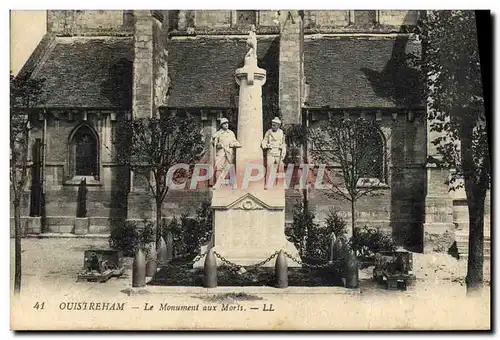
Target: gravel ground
435 301
53 262
56 261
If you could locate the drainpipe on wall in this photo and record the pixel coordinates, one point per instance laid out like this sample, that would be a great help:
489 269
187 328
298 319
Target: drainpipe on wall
44 156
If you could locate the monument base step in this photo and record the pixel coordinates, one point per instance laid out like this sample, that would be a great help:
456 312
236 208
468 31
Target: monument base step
182 290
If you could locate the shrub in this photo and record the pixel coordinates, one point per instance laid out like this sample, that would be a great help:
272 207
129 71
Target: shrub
318 245
175 227
204 219
368 241
188 233
319 240
190 236
336 224
311 239
127 237
302 226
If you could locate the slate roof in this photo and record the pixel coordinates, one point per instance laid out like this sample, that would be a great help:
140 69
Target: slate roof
87 72
350 72
202 69
343 72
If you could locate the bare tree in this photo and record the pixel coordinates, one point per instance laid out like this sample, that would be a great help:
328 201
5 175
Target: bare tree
355 156
25 95
152 146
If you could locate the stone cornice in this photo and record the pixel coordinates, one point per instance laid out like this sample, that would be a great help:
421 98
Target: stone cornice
101 33
328 113
229 31
71 114
352 29
378 31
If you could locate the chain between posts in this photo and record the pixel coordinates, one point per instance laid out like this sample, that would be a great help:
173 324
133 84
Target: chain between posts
307 265
198 257
237 266
183 256
314 266
253 266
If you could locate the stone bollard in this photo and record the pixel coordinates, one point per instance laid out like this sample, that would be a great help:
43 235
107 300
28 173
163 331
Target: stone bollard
332 247
152 262
139 269
281 269
170 246
352 273
210 270
162 252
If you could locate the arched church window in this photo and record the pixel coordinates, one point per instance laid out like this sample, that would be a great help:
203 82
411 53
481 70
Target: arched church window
84 154
371 158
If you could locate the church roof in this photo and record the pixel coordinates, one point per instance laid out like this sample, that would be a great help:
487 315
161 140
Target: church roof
350 72
87 72
343 72
202 69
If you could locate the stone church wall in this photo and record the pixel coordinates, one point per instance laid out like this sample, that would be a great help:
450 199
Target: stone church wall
108 198
398 207
83 22
322 18
212 19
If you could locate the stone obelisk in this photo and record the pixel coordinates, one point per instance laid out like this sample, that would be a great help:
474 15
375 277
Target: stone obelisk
249 221
250 78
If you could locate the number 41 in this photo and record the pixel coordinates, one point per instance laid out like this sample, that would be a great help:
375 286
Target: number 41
39 305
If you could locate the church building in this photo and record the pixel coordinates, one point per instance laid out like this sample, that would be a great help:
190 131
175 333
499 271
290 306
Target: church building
101 66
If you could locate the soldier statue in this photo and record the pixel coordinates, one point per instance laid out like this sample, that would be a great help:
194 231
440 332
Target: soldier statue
274 146
224 141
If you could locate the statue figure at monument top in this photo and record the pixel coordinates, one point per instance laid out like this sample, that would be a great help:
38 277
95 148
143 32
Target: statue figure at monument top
252 43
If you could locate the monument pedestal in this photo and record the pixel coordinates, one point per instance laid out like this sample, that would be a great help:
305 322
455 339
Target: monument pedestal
249 221
249 226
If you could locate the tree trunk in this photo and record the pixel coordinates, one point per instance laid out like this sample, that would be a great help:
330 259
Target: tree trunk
475 199
305 197
353 218
476 193
158 219
17 246
306 239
